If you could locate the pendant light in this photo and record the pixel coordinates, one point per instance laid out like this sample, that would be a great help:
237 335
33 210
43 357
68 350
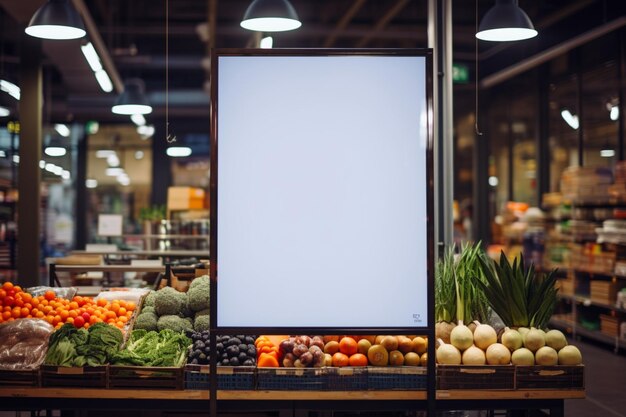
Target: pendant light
505 21
132 100
270 16
57 19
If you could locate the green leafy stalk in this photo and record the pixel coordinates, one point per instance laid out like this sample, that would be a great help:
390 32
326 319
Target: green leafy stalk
445 288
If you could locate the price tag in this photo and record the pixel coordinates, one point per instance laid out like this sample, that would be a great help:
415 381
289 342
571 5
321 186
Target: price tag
110 224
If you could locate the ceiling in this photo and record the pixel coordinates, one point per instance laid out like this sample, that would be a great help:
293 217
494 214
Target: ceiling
132 35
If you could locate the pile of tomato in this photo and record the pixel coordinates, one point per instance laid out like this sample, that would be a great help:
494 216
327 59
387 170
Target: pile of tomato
79 311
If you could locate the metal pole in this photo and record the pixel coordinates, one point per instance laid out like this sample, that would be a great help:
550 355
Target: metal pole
29 174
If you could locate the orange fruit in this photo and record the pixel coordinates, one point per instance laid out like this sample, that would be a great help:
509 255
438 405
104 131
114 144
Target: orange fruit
64 314
73 313
7 286
43 302
70 320
358 359
24 312
39 314
121 311
3 293
348 346
340 359
101 302
115 306
111 315
130 306
49 295
16 313
47 309
73 305
122 319
17 288
6 315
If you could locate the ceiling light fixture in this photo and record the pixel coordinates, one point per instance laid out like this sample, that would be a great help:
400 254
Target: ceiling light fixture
104 153
91 183
506 21
607 153
62 129
58 20
4 111
138 119
10 88
132 100
113 161
614 113
55 151
138 155
570 119
65 174
178 151
96 66
145 131
114 172
270 16
104 81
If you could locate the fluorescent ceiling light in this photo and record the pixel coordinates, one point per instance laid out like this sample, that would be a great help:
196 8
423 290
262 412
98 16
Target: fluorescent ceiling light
505 21
50 167
10 88
16 159
91 56
138 119
4 111
104 153
113 161
267 42
65 174
56 19
62 129
145 131
607 153
570 119
138 155
103 79
493 181
614 113
42 164
3 154
114 172
270 16
129 109
55 151
178 151
91 183
57 170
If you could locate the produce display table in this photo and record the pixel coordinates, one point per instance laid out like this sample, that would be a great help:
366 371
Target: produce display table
85 398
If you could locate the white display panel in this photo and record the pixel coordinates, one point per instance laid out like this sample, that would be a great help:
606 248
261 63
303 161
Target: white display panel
322 191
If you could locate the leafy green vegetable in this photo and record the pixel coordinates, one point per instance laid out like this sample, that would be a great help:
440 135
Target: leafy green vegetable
520 296
70 346
150 348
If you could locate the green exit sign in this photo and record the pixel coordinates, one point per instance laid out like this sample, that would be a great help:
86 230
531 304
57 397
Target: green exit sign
460 73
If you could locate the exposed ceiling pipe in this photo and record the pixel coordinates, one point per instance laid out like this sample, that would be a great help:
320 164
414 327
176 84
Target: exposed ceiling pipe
382 22
551 53
343 22
98 44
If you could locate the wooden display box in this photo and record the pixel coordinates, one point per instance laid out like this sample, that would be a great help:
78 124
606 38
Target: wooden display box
609 325
197 377
292 379
604 292
145 377
550 377
397 378
475 377
349 378
19 378
63 376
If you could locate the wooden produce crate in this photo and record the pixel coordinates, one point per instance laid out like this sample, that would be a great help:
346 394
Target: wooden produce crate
396 378
228 377
609 325
475 377
550 377
145 377
19 378
604 292
292 379
85 377
349 378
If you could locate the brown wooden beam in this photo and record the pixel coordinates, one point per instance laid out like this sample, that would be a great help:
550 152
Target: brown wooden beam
382 22
343 22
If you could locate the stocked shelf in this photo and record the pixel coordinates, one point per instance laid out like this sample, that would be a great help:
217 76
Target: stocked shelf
589 302
577 330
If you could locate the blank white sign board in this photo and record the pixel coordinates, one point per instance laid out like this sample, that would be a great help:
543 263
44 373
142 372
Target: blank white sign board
322 191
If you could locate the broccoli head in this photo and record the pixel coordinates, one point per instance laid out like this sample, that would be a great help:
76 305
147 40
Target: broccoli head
149 300
168 301
199 296
204 312
174 323
202 323
146 321
148 309
203 280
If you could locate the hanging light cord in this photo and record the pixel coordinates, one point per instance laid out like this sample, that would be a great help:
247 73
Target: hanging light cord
169 137
476 129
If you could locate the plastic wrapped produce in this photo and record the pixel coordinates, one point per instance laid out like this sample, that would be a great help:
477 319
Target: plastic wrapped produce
24 343
61 292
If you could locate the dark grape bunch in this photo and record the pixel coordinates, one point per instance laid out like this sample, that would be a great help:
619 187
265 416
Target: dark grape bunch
231 350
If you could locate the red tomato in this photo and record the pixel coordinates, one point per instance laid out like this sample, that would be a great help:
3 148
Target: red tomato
8 301
79 322
11 292
86 317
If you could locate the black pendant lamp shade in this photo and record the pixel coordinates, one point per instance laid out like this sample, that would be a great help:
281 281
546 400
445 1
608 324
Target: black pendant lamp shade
505 21
270 16
132 100
57 19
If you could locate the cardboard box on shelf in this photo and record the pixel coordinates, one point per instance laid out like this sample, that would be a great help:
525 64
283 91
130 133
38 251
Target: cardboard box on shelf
185 198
